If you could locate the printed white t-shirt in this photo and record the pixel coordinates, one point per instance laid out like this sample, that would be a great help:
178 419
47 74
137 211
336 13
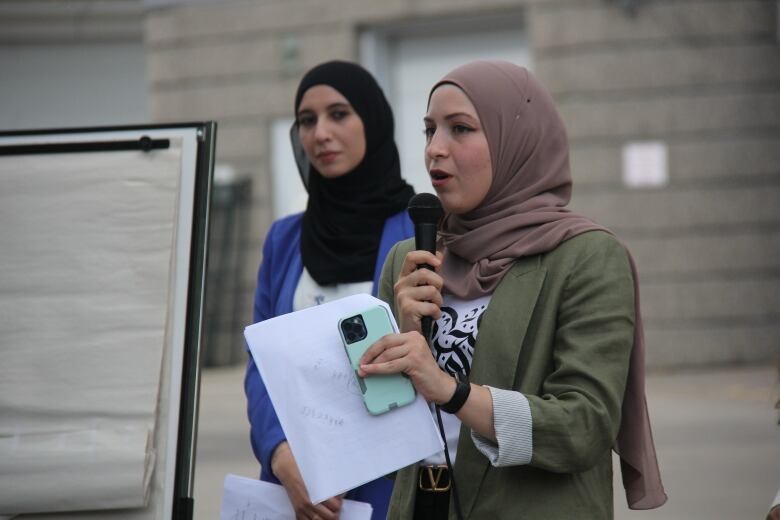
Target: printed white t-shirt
454 336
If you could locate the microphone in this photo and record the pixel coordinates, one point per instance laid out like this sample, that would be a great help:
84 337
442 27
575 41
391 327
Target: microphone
425 211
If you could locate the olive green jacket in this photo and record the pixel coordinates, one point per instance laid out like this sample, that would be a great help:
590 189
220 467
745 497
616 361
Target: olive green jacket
559 329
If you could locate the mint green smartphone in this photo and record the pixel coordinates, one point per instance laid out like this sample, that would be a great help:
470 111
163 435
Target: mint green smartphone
381 393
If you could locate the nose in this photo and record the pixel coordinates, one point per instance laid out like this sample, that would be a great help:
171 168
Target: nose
322 131
436 147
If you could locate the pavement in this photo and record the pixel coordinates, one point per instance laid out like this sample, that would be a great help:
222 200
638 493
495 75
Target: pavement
716 432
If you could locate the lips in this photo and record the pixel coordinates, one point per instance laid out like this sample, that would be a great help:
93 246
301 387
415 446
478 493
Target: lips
439 177
327 157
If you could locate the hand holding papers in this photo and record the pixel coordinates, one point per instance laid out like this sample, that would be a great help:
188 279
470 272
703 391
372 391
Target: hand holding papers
338 445
246 498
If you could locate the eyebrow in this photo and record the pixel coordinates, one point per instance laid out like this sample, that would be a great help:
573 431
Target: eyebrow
337 104
448 117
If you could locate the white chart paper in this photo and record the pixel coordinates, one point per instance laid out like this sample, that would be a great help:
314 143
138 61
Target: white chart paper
84 293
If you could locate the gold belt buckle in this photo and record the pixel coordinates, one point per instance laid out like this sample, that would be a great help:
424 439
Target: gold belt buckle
434 474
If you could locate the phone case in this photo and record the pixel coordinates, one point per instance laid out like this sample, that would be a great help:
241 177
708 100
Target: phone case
381 393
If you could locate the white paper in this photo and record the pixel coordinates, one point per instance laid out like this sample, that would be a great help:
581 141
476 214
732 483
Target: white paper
100 467
250 499
85 272
338 445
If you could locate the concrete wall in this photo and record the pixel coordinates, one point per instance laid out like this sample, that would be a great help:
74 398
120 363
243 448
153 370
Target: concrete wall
701 75
76 63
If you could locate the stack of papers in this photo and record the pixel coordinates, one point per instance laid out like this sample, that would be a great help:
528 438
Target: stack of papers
338 445
248 499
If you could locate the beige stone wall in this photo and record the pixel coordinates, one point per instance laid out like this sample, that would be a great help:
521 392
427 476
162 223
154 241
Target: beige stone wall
69 21
701 75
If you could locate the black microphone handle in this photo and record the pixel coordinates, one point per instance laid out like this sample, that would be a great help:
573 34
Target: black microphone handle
425 236
425 240
426 323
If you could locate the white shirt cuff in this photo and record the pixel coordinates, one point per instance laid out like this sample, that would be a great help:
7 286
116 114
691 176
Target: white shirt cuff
513 424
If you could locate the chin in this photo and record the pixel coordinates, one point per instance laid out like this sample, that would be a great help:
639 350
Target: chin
331 173
450 206
445 202
454 207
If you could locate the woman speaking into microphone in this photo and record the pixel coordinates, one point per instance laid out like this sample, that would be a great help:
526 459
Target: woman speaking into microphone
538 351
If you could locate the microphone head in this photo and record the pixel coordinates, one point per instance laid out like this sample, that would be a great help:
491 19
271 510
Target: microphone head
425 208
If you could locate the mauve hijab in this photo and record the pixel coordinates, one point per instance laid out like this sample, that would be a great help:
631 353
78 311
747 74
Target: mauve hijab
524 214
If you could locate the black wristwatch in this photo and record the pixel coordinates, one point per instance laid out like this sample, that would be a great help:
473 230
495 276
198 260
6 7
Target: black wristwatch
462 391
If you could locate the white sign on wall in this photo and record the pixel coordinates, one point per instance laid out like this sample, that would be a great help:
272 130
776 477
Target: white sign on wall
645 164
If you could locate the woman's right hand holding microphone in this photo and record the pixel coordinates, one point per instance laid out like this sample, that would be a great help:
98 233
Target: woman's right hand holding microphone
418 291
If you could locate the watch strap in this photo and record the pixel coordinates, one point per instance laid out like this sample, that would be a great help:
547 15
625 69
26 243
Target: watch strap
462 391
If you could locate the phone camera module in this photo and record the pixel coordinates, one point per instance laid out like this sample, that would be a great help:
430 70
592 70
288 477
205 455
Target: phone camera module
353 329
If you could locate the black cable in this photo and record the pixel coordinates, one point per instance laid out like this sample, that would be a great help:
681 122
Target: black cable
455 497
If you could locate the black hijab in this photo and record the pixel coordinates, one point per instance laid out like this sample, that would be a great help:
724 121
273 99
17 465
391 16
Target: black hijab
344 217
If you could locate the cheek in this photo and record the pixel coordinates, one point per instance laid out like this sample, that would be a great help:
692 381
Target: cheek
481 174
356 140
305 136
360 147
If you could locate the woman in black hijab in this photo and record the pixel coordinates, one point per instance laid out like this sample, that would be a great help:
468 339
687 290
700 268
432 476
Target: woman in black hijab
347 157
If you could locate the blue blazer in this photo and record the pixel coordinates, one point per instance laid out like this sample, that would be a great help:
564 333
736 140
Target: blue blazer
277 280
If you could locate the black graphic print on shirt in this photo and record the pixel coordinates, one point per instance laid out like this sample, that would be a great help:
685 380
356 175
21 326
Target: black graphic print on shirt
454 336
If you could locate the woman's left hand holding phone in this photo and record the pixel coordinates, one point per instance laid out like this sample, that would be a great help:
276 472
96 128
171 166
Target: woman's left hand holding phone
286 470
409 353
417 294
